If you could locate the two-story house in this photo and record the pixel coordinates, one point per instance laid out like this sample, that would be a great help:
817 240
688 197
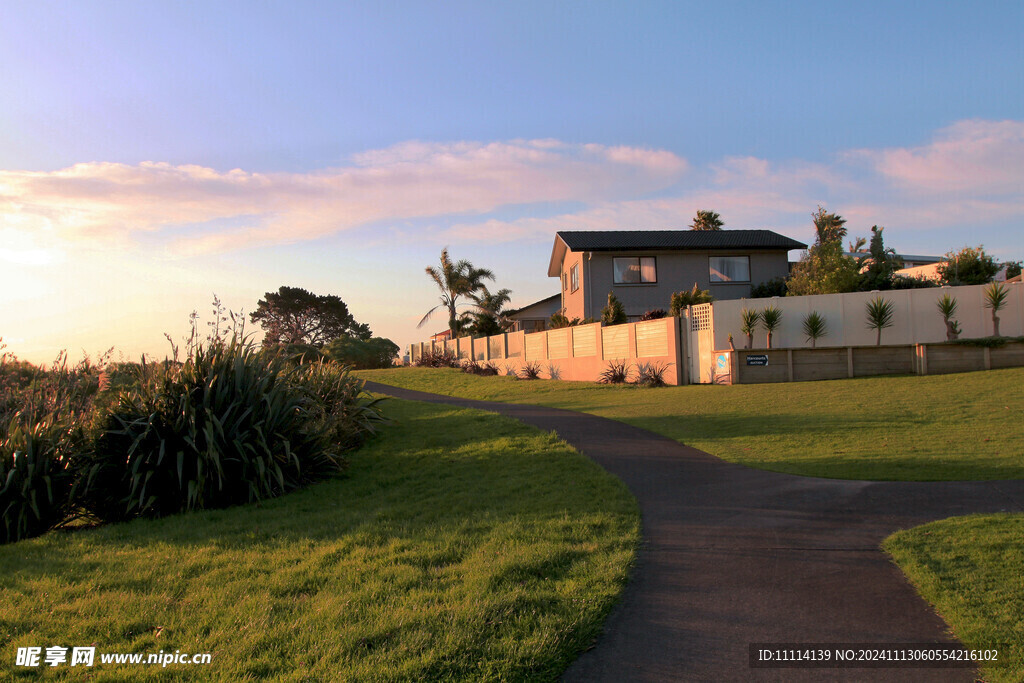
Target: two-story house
644 267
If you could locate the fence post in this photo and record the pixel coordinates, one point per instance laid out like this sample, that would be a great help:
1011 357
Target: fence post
849 361
988 357
789 363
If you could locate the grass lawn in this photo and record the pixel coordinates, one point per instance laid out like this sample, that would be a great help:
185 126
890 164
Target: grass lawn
940 427
969 569
461 545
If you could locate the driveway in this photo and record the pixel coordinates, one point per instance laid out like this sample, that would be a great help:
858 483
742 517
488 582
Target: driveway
732 556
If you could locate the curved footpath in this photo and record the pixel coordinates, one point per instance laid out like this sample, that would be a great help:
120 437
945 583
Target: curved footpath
733 555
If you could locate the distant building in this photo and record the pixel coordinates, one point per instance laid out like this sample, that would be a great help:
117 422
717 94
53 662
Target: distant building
535 317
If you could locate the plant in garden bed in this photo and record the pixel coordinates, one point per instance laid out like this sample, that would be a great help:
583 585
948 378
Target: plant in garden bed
771 318
947 307
438 359
614 313
996 296
486 369
750 320
617 372
814 327
651 374
879 316
530 370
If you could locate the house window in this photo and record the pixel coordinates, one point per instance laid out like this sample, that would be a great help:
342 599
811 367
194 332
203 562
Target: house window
635 270
730 268
574 275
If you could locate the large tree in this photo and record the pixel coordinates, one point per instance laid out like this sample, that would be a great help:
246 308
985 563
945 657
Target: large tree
292 315
706 220
455 280
880 266
824 268
969 266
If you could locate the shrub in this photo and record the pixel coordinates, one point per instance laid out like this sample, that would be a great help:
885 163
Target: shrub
614 313
336 406
771 318
560 320
651 374
438 359
530 370
617 372
35 480
362 354
905 282
224 427
969 266
879 316
815 327
694 297
766 290
656 314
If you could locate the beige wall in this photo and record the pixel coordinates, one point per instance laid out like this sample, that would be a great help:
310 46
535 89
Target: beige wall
676 271
916 318
579 353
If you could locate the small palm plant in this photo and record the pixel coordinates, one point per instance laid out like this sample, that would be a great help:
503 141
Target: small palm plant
814 327
771 318
947 307
880 316
996 296
750 320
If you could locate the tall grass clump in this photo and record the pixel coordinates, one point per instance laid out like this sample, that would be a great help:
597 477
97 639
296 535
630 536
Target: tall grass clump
226 426
43 418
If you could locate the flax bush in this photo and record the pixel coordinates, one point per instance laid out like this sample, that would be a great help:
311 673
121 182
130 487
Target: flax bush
226 426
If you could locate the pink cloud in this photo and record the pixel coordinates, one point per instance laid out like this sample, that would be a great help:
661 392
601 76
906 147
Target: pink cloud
114 202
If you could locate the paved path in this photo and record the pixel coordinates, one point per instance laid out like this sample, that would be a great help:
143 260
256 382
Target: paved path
733 555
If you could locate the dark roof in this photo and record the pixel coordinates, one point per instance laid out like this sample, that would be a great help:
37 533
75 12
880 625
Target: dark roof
625 240
535 303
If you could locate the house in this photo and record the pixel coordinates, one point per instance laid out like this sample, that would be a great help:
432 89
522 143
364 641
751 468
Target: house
535 317
644 267
441 336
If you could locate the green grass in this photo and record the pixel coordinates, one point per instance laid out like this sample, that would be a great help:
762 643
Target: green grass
461 545
940 427
969 569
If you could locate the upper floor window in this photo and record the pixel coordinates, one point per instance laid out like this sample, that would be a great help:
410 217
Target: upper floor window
634 270
730 268
574 276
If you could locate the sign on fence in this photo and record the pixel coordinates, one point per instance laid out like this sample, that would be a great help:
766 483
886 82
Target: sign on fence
758 360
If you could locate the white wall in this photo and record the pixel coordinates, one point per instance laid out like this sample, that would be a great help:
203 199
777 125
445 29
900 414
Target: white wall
916 318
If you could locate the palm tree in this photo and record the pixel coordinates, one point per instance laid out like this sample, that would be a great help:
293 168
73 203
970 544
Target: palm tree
815 327
880 315
706 220
771 318
996 295
750 320
454 280
947 307
829 226
489 318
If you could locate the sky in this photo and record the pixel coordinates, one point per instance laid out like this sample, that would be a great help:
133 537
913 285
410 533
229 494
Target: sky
153 155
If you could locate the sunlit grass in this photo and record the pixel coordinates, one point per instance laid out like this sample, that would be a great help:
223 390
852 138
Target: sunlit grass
941 427
460 545
969 569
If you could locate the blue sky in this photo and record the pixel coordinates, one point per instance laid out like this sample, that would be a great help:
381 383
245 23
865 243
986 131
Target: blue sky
154 153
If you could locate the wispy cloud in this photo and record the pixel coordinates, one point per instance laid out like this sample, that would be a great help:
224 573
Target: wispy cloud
970 174
114 203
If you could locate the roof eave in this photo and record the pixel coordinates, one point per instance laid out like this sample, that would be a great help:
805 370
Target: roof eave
557 255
